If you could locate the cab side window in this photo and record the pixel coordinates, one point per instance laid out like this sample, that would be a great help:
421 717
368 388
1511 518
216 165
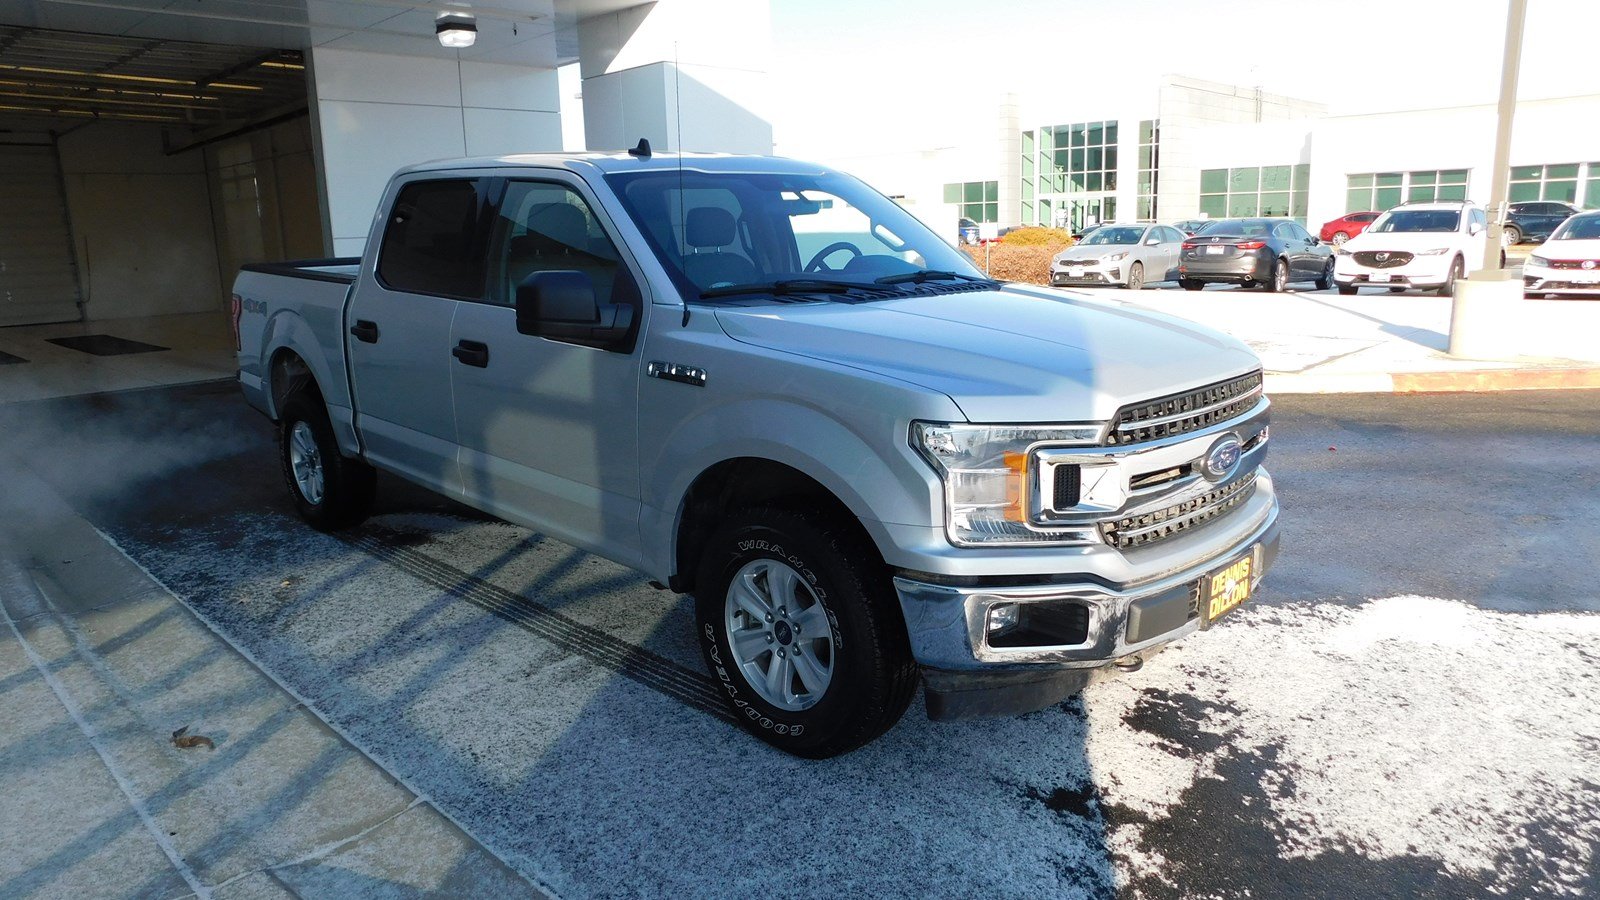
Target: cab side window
433 242
547 227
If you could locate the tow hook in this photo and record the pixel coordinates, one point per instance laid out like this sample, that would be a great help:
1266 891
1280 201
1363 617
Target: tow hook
1131 663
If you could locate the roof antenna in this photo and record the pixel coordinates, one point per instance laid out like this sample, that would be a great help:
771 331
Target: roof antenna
642 151
683 227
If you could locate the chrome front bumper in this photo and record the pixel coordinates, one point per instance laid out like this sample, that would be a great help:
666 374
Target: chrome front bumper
947 622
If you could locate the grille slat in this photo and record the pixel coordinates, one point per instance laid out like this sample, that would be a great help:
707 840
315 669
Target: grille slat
1136 531
1574 263
1182 413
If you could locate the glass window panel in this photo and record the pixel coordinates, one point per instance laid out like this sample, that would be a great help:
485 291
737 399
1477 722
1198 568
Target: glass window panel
1077 161
1389 179
1027 143
1044 185
1386 198
1213 181
1243 179
1111 157
1146 157
991 212
1027 167
1524 190
1094 159
1242 205
1047 140
1275 178
991 190
1299 205
1077 135
972 191
1147 131
1214 206
1565 170
1452 192
1275 203
1027 213
1146 183
1360 181
1453 176
1044 214
1096 135
1420 192
1061 184
1094 182
1564 191
1524 173
1111 132
1591 194
1423 177
1302 176
1064 160
952 193
1110 210
1027 189
1111 180
1358 199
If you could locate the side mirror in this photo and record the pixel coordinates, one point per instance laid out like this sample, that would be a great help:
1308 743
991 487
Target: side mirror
1314 240
1474 228
1153 242
562 306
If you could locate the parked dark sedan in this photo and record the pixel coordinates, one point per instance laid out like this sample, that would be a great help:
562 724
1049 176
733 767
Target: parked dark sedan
1269 253
1533 220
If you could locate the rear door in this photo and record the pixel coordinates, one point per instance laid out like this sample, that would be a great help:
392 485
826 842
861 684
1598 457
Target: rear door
38 276
429 260
548 429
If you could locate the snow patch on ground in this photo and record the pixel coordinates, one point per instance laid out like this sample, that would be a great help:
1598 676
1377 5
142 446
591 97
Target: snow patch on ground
1405 726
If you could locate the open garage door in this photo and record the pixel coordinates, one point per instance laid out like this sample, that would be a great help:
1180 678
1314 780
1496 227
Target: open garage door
38 276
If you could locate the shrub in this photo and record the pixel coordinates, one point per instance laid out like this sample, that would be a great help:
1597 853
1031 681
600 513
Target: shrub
1032 235
1028 263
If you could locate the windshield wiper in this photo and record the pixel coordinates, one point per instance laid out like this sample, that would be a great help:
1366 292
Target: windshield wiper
922 275
783 287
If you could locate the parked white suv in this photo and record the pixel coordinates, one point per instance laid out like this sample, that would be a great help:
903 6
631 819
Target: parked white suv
1414 245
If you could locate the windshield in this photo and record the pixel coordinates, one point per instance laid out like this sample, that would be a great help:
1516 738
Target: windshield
716 232
1417 220
1109 234
1578 228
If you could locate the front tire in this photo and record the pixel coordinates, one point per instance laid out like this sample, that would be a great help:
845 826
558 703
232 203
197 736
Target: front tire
330 491
1326 280
1458 268
801 629
1511 236
1136 277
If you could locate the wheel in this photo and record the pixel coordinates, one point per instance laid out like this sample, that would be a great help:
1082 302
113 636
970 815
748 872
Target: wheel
1279 282
1458 268
330 490
1511 236
1339 237
801 627
1325 280
1347 289
1189 284
1136 277
1502 259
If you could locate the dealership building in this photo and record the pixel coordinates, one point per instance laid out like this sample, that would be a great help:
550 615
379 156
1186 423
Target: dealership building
1195 149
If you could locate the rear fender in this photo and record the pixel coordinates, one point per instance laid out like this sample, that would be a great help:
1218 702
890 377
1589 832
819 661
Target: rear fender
288 331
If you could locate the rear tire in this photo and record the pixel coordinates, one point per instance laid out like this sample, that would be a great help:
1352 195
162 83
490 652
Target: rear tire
1339 237
1278 281
800 569
331 491
1511 236
1189 284
1136 277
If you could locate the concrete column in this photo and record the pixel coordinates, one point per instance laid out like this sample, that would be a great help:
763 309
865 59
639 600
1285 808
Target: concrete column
1010 162
685 74
376 112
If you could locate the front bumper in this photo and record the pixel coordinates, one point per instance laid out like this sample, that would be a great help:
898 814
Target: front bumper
1421 271
965 676
1086 274
1545 280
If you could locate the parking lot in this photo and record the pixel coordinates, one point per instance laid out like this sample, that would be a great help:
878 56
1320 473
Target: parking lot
1405 710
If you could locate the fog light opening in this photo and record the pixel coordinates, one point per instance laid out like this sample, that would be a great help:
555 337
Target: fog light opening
1003 617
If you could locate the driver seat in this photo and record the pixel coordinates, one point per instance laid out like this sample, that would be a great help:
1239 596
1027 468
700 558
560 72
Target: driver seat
710 228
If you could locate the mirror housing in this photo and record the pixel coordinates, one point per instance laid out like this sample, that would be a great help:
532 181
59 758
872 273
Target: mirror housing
1153 242
1475 228
562 306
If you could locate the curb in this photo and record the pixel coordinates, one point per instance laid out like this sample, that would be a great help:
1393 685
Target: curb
1585 378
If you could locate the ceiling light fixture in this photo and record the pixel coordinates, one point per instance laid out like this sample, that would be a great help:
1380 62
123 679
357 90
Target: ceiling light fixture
456 29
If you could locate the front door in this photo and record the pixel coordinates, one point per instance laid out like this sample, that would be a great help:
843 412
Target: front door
548 430
398 327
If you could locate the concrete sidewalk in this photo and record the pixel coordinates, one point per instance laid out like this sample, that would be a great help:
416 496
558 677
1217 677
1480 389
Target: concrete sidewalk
100 666
1323 342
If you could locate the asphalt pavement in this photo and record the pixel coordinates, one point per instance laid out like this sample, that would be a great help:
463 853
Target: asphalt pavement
1406 708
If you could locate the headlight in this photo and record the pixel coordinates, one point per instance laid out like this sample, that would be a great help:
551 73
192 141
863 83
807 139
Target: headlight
1538 260
1113 257
1439 251
989 473
1340 250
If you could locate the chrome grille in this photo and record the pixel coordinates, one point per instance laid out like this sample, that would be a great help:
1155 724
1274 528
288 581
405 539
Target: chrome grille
1189 411
1136 531
1382 259
1574 263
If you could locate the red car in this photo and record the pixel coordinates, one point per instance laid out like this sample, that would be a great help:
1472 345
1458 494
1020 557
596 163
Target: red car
1347 226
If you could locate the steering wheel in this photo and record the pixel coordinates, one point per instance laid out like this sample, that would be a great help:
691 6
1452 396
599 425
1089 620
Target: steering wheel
816 261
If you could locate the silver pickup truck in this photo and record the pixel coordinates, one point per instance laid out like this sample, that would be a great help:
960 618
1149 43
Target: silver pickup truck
764 384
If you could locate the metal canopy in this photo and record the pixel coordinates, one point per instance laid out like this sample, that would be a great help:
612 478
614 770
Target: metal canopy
52 80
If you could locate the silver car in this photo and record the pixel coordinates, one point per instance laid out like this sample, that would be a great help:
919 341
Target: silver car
1129 256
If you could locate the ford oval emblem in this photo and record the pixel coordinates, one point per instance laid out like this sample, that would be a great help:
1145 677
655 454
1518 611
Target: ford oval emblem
1220 460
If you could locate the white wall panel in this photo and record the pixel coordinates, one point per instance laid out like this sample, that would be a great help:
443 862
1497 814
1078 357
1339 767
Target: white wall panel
491 86
497 132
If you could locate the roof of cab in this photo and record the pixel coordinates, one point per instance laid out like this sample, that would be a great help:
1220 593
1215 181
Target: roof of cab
622 161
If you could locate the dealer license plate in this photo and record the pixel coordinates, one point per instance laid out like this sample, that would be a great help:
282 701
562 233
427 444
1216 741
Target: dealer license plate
1379 276
1214 251
1075 272
1224 590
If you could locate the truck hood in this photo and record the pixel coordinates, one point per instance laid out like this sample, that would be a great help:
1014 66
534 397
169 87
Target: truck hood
1009 355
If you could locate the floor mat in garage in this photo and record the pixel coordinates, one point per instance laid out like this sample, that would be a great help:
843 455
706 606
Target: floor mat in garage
105 345
7 359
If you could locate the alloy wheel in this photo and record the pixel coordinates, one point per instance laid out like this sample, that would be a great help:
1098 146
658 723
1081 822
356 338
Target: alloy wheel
306 462
779 634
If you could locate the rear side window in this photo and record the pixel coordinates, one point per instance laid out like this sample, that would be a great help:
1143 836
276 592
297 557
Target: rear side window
433 243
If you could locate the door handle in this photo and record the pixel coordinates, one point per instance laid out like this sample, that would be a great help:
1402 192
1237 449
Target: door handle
365 331
472 353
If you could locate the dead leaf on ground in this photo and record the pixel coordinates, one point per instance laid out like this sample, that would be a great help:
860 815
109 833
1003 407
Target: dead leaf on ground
185 741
